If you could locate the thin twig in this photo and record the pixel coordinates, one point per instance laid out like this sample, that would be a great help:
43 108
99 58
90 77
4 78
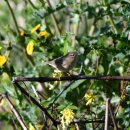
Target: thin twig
13 16
106 115
31 3
54 19
123 91
39 100
87 121
42 2
69 78
112 23
117 108
18 31
36 94
16 113
23 91
112 117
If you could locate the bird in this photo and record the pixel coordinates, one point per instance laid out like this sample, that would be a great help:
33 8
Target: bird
64 63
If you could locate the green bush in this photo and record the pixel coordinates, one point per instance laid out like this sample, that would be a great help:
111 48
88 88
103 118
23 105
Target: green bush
33 32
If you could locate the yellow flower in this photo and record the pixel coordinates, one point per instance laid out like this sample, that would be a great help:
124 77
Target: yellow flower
2 60
21 33
66 118
35 28
43 33
31 127
89 97
30 48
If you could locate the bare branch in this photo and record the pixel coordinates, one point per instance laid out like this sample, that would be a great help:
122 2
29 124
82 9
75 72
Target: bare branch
106 115
69 78
16 113
112 117
87 121
13 16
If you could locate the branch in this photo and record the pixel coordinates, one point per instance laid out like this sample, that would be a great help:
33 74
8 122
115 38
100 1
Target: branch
39 100
31 3
16 113
69 78
87 121
106 114
112 24
13 16
54 20
23 91
112 116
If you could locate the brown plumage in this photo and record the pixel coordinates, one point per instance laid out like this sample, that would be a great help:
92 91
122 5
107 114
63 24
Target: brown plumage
64 63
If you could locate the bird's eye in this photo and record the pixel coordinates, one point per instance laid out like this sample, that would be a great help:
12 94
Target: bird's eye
72 54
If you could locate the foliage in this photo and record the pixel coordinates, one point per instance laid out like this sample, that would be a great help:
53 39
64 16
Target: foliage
34 32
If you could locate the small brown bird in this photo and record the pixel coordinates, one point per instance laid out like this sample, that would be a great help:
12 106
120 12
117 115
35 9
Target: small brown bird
64 63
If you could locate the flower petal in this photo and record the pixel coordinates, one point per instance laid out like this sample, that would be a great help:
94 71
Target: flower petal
35 28
30 48
2 60
43 33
